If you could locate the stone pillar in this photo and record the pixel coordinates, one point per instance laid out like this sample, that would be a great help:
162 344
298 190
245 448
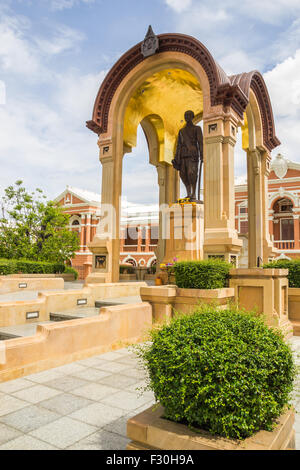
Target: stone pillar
296 232
266 292
255 220
82 228
220 236
260 244
88 231
105 266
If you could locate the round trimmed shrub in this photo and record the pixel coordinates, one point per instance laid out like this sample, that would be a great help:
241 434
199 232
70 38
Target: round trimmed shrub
222 371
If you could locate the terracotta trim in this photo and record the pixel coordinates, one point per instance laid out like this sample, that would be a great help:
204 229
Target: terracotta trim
228 91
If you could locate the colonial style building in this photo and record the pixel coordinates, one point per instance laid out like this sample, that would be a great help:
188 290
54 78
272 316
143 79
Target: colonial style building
139 228
284 206
139 222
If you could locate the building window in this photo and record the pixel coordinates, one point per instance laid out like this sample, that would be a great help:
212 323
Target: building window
244 226
287 229
243 210
154 235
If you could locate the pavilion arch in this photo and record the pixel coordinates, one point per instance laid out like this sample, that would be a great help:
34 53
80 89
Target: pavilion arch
284 195
219 100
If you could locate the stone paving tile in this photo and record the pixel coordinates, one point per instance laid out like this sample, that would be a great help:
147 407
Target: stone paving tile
119 426
7 433
112 367
111 356
14 385
36 393
118 381
65 403
297 440
126 400
101 440
69 369
91 361
91 374
10 404
29 418
94 391
45 376
98 414
63 432
131 360
135 372
27 443
66 383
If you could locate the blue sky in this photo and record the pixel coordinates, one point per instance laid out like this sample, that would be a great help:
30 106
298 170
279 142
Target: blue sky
55 53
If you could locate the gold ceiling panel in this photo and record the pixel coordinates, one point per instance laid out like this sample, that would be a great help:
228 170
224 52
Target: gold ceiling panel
167 94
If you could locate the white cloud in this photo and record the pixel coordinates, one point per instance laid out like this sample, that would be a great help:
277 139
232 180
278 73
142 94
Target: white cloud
64 38
283 83
238 61
17 55
65 4
179 5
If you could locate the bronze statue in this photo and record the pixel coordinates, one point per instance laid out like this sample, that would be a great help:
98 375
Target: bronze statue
189 151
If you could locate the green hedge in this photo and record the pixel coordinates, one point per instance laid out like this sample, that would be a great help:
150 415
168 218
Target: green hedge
11 266
292 265
124 268
225 372
70 270
206 274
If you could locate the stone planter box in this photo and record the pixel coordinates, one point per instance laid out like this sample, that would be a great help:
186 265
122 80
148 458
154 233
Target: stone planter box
167 299
148 430
149 277
128 277
294 309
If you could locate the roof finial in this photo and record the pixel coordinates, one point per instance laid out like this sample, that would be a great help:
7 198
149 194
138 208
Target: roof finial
150 44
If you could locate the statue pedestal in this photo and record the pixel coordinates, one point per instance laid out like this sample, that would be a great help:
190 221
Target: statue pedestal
102 262
183 232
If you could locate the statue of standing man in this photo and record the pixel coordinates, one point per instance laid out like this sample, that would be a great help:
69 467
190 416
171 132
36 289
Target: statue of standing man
189 151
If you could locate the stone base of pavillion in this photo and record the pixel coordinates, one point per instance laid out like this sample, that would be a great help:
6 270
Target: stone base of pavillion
149 431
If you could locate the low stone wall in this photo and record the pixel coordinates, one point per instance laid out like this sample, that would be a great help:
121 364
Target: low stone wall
64 342
150 431
28 282
128 277
15 313
294 309
167 299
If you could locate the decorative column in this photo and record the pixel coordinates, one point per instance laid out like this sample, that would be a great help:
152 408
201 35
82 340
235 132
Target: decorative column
296 231
104 239
220 238
255 220
82 228
268 248
88 231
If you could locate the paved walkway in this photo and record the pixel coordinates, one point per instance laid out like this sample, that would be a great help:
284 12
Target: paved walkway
82 405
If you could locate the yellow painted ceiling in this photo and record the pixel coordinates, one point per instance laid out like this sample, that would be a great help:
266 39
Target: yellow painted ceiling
166 95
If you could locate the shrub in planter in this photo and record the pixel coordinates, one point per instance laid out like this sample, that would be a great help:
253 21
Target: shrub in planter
127 269
205 274
292 265
70 270
24 266
221 371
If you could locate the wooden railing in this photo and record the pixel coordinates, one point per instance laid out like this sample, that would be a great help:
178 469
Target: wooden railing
284 244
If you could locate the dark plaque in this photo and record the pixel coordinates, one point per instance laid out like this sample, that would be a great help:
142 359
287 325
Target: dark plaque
100 262
150 43
188 156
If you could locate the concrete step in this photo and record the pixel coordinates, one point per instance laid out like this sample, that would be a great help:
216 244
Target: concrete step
75 313
27 329
296 327
117 301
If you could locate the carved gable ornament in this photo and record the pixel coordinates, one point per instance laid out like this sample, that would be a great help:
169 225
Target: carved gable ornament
150 43
280 166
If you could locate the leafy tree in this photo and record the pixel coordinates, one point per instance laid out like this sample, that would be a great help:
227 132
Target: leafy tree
33 228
